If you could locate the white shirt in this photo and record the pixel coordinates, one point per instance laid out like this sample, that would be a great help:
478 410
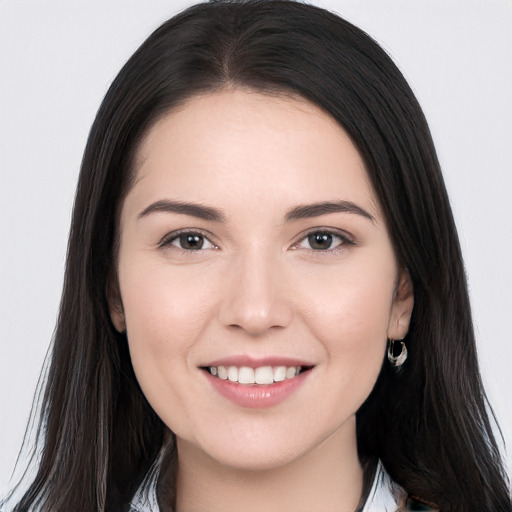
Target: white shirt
385 495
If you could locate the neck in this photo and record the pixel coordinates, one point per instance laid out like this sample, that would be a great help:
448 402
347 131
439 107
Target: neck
329 477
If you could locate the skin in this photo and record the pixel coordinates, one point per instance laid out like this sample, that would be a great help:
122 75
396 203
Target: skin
257 287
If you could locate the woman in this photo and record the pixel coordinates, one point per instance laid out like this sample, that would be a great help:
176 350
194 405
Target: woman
258 309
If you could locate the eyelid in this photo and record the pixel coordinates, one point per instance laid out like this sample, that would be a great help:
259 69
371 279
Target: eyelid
346 239
168 238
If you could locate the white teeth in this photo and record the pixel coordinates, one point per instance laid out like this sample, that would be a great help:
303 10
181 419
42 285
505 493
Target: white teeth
264 375
246 375
233 374
291 372
280 374
261 375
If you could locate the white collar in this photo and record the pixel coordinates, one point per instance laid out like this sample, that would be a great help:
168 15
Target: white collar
385 495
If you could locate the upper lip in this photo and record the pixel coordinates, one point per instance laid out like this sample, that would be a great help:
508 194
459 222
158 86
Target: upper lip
256 362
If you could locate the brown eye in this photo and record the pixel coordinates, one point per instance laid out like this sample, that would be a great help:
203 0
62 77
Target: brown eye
191 241
188 241
324 241
320 241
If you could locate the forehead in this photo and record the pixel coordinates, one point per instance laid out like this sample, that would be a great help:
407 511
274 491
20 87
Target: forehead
254 147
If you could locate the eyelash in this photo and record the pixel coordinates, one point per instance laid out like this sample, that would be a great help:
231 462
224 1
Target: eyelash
344 241
343 238
168 240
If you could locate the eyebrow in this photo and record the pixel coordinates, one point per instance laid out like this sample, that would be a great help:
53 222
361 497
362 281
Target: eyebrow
323 208
185 208
213 214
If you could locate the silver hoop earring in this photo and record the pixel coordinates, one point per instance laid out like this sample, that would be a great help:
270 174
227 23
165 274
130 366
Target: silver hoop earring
399 360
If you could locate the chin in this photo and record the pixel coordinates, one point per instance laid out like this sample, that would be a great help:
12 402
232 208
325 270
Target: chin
256 459
254 449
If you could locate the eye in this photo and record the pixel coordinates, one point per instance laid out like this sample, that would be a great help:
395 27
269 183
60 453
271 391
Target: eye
188 241
323 240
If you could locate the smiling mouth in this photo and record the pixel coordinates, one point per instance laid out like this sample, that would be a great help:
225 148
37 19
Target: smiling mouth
262 375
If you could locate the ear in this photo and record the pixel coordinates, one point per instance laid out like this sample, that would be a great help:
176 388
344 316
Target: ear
115 304
401 310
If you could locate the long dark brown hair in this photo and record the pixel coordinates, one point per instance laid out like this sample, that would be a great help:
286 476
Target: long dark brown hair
429 425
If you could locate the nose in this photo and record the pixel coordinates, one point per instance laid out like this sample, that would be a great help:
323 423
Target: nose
256 298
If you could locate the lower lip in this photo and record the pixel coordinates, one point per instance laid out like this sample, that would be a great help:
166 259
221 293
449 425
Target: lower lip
257 396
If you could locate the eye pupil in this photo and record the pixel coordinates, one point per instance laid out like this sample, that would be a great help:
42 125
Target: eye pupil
320 241
191 241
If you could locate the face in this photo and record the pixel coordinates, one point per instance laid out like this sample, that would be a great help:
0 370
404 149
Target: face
257 280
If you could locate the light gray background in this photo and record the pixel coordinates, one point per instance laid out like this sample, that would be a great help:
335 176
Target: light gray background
56 60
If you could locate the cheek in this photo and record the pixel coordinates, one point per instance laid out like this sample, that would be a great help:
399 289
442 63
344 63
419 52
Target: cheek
353 335
164 308
349 315
166 313
350 309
